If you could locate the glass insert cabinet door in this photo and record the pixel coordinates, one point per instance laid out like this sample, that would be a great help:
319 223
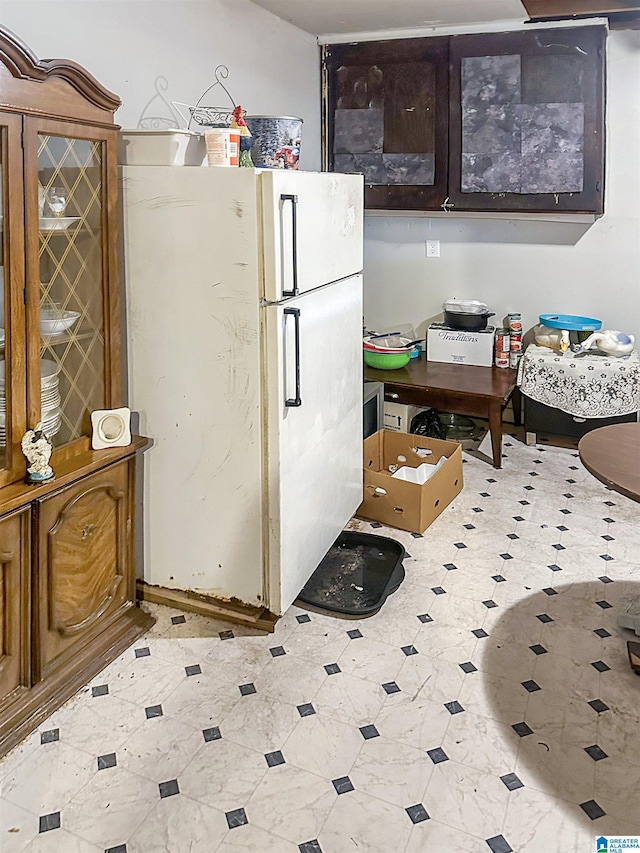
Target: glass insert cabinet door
71 368
12 361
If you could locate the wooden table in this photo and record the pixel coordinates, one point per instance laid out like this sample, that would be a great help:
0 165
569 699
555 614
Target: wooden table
612 454
481 392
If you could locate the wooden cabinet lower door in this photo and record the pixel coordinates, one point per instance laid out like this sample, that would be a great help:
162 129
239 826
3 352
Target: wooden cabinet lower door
14 605
84 563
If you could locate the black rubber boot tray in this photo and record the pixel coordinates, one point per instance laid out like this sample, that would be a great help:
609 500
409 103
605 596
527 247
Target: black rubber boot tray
356 575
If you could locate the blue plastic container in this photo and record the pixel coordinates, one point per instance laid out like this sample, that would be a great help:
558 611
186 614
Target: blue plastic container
571 322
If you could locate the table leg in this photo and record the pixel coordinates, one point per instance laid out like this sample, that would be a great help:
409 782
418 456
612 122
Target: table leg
495 428
516 402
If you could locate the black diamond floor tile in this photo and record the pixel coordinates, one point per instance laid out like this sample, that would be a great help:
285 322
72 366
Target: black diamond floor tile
498 578
178 620
511 781
602 632
417 813
369 732
391 687
355 634
409 650
277 651
598 705
601 666
454 707
50 736
531 686
480 633
467 666
522 729
424 617
592 809
153 711
143 653
211 734
169 788
437 755
537 649
236 818
226 635
489 603
306 710
332 669
106 761
544 617
450 567
596 752
310 847
193 669
273 759
438 590
604 604
247 689
100 690
343 785
499 844
49 821
303 618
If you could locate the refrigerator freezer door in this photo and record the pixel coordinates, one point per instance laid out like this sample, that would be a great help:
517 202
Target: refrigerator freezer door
312 227
313 454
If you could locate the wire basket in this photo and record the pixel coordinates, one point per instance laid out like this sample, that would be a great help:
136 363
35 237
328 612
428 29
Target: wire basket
206 116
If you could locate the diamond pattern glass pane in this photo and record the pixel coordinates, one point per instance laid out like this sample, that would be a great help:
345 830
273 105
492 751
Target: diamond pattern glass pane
4 387
71 287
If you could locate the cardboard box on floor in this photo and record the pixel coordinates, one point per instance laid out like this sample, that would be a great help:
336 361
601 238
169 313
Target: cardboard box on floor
398 503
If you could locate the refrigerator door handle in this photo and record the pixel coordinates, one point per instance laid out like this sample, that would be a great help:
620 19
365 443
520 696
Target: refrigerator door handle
294 247
295 312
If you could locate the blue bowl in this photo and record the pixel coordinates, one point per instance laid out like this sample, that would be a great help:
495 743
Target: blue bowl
571 322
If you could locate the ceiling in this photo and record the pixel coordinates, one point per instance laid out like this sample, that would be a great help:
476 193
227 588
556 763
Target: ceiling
321 17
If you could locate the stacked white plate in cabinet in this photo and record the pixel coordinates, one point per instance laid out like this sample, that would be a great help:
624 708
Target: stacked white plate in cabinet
51 416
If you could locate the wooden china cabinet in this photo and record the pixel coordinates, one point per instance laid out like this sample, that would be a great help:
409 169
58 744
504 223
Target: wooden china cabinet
67 579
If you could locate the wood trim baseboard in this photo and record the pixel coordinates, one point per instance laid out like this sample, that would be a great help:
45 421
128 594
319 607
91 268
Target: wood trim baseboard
207 605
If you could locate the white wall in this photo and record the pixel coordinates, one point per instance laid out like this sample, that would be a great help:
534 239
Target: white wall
531 267
127 44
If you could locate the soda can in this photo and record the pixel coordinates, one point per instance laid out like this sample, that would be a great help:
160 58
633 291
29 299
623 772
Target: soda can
514 359
515 322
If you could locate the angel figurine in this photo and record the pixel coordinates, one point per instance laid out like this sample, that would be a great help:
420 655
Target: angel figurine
37 448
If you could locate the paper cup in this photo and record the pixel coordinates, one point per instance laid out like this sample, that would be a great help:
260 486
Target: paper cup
223 146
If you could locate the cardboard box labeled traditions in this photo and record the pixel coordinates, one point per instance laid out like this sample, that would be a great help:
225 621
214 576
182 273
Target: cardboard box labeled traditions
398 503
455 346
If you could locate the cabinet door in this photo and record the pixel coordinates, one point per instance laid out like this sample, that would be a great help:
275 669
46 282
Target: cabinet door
527 120
72 294
385 116
14 605
84 563
12 333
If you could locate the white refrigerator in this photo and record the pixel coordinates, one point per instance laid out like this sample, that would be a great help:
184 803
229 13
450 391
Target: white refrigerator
244 316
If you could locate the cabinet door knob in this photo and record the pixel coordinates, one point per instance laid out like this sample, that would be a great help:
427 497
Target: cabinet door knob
88 531
392 395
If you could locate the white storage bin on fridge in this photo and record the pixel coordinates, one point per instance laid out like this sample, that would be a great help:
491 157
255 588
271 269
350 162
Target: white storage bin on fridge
161 148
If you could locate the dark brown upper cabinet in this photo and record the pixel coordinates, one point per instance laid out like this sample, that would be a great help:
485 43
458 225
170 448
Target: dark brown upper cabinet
505 122
526 121
385 115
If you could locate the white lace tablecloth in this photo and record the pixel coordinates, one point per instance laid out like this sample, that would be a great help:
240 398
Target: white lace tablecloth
586 386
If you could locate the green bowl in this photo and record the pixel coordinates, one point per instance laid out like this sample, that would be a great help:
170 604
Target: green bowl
386 360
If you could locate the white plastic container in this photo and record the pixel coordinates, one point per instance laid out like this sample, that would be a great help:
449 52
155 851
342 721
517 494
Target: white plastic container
161 148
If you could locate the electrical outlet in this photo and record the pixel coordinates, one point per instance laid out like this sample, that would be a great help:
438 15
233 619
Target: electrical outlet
433 248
